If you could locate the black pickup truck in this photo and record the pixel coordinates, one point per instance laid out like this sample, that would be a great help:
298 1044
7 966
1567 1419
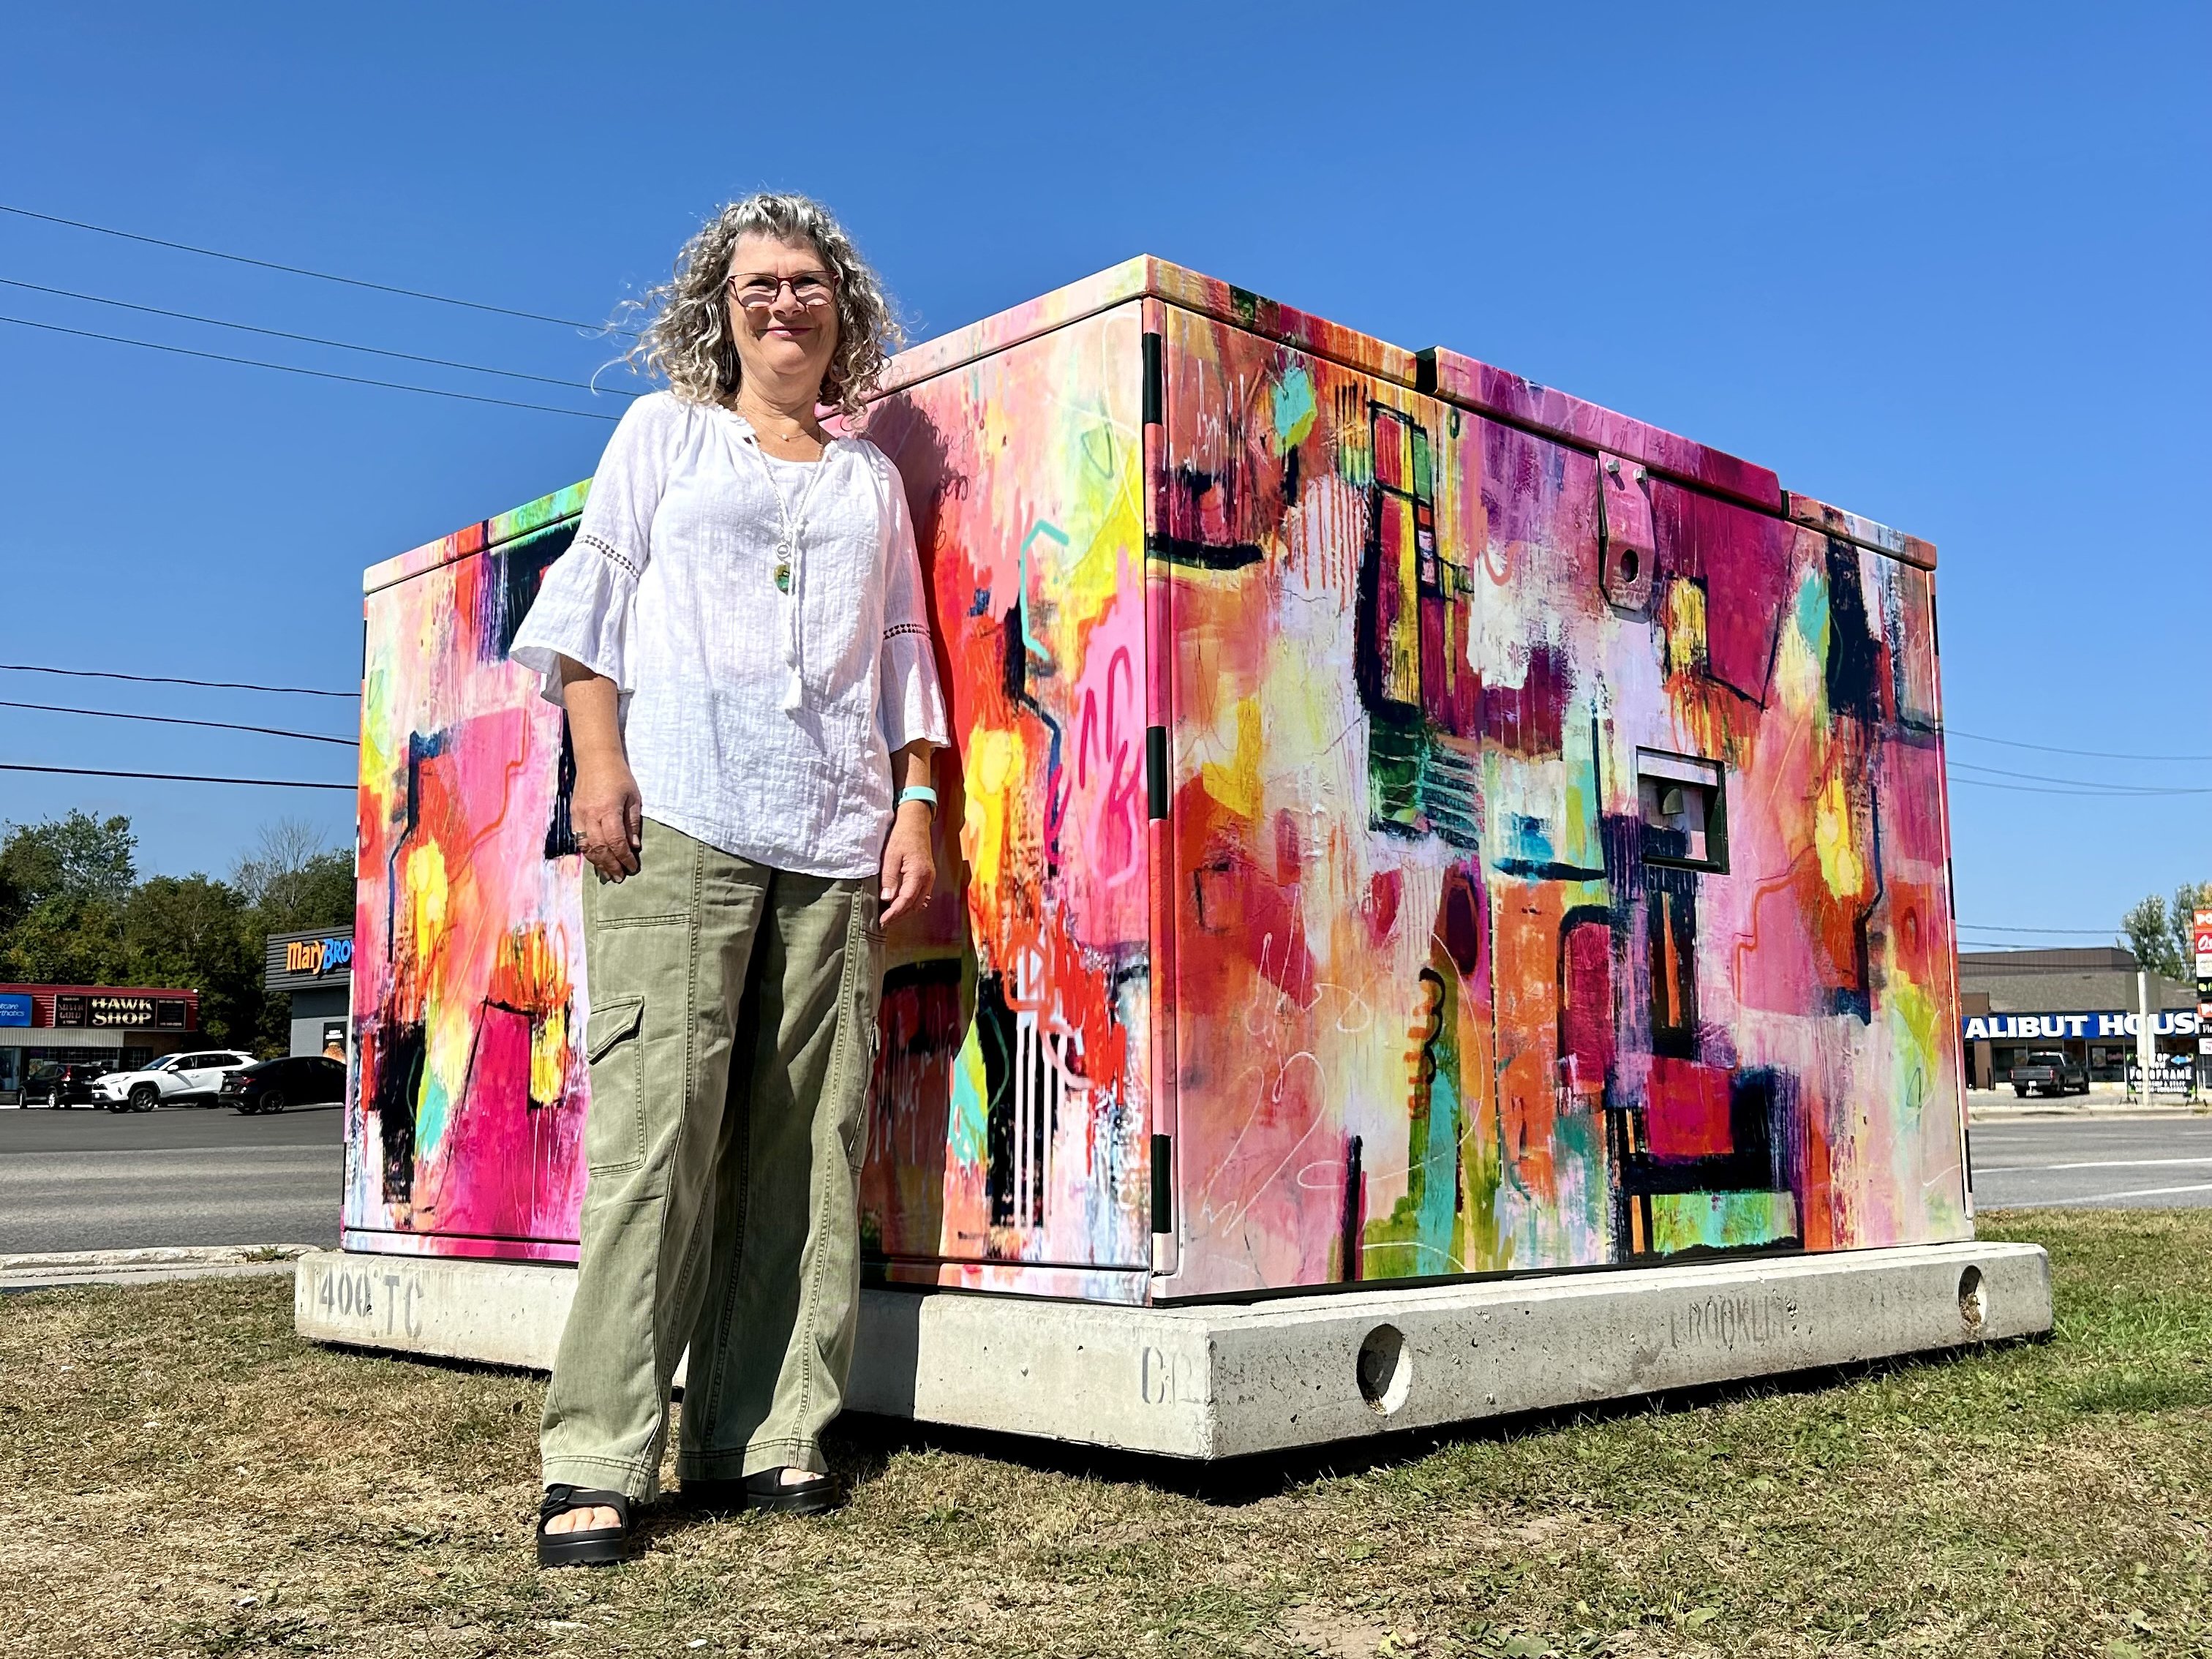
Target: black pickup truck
2050 1073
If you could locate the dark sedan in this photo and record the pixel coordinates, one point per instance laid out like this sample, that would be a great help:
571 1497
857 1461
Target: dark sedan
271 1085
61 1082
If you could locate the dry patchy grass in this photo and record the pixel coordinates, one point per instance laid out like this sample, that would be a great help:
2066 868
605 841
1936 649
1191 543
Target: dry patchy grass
179 1474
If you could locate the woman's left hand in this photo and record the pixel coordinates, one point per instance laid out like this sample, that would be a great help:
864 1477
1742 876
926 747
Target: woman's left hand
909 863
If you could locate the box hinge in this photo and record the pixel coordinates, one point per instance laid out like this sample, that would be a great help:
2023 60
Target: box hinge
1155 381
1156 771
1163 1184
1627 548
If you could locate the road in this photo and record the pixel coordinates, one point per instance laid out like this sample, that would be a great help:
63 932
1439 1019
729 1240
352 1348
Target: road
88 1180
99 1180
2113 1163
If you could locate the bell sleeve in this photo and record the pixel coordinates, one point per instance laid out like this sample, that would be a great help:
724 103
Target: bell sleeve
585 604
910 703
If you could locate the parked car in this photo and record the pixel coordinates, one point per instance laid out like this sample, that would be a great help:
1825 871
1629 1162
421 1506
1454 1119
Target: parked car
271 1085
170 1080
58 1082
2051 1073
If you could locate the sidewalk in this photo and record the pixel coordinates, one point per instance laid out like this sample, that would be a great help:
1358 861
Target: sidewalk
53 1270
2103 1100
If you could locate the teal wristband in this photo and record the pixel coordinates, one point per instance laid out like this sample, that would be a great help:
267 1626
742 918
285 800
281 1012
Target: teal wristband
918 791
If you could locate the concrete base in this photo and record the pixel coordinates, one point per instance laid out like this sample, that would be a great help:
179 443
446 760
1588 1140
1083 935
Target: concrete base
1227 1380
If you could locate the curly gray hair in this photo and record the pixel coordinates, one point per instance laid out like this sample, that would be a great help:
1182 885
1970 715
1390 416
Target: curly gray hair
688 340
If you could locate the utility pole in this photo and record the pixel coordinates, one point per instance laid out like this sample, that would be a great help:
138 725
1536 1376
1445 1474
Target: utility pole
2146 1032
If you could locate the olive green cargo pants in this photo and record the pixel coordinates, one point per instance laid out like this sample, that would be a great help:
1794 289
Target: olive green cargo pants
732 1040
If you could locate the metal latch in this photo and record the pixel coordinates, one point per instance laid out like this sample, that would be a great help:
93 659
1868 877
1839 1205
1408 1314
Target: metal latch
1627 548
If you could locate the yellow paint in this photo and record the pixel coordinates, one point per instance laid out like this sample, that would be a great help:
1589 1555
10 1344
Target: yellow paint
994 771
1090 582
1237 786
426 892
1834 840
549 1053
1801 675
1685 622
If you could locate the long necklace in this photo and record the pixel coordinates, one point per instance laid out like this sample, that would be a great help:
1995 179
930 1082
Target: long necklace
790 570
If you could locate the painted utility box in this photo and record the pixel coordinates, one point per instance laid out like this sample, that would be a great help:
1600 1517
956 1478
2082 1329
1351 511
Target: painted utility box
1403 823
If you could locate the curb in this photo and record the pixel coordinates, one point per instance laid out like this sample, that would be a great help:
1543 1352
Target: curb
59 1269
2116 1111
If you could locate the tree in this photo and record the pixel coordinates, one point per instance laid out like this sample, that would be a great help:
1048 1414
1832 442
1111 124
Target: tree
2161 934
190 931
74 912
296 879
76 856
293 882
62 883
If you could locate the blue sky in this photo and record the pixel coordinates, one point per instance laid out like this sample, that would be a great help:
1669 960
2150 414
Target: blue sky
1945 267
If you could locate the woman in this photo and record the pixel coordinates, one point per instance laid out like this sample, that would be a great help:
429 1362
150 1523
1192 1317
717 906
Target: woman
741 639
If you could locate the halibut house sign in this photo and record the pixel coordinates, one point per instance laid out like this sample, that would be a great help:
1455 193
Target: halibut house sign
2052 1028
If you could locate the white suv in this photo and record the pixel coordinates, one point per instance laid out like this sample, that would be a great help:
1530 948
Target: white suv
172 1077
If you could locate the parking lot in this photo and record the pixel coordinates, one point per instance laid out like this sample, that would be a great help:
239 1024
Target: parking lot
83 1179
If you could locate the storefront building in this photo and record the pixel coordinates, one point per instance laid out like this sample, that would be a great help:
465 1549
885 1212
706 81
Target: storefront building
315 970
120 1027
2078 1002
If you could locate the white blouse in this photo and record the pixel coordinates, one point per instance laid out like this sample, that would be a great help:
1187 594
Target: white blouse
766 628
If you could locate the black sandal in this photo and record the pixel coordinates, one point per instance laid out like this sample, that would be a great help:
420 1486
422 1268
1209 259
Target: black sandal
595 1548
767 1490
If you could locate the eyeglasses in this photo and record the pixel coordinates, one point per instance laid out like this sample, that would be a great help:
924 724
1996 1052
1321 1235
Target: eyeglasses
759 290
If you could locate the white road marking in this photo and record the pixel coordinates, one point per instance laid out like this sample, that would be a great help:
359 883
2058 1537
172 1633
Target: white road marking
2114 1164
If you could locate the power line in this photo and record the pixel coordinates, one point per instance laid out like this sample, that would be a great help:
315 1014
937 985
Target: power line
302 270
167 679
312 339
2083 789
1993 927
290 368
174 777
2096 784
174 720
2076 794
2049 749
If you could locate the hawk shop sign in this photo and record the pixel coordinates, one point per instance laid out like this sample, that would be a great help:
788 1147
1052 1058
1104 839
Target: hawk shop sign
125 1013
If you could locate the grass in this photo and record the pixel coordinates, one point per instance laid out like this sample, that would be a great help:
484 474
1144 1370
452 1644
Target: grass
179 1474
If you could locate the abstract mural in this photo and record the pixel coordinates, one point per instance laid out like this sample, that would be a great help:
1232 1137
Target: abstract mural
1403 821
464 1131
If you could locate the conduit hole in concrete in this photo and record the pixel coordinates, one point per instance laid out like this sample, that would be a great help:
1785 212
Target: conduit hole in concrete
1973 1298
1386 1370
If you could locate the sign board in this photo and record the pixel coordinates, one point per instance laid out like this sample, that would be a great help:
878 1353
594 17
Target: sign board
15 1009
2058 1028
172 1013
120 1013
70 1010
306 962
2175 1074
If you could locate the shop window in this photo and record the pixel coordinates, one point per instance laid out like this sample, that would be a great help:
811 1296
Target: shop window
1684 808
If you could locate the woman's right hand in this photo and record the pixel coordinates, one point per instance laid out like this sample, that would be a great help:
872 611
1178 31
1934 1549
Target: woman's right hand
608 816
605 809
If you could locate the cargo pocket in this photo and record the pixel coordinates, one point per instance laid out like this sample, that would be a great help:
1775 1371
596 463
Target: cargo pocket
864 1008
614 1128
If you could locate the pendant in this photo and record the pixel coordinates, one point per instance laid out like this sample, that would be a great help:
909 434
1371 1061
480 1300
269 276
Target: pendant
783 576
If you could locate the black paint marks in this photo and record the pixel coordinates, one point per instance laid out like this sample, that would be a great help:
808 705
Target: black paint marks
1854 659
400 1052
